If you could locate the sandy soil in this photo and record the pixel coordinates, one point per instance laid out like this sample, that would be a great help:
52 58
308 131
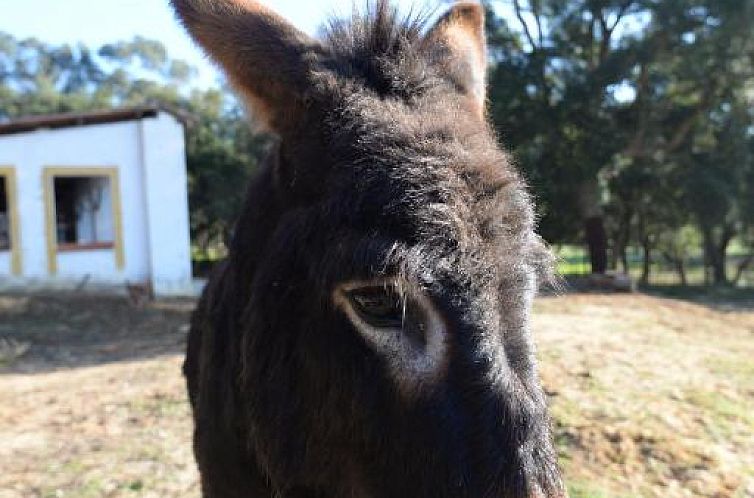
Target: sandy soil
649 396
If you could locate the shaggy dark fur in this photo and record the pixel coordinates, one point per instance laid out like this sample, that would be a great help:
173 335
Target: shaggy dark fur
382 168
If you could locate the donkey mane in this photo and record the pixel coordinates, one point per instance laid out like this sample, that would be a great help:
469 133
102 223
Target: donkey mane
380 48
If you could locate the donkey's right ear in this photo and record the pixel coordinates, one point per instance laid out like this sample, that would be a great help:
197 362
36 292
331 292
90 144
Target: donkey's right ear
266 59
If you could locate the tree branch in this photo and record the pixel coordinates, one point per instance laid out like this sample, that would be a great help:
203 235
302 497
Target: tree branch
535 5
591 61
605 34
520 16
607 31
622 11
636 147
741 268
683 130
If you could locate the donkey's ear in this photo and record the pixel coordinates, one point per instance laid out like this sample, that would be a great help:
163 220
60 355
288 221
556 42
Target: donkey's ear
266 59
457 44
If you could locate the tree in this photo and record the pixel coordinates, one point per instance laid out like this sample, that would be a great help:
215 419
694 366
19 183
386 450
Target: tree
565 62
583 90
717 184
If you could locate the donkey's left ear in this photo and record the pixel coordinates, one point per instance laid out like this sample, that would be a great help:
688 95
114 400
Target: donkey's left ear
457 44
268 60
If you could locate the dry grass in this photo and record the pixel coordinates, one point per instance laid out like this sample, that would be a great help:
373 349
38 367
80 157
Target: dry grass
120 429
650 397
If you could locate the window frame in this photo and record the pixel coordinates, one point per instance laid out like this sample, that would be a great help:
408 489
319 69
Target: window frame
53 247
8 173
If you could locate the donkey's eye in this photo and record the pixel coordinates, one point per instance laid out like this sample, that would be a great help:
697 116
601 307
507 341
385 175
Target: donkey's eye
379 306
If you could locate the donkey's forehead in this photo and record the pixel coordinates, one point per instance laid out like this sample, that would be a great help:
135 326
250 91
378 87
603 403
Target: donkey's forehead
428 169
437 105
436 142
438 128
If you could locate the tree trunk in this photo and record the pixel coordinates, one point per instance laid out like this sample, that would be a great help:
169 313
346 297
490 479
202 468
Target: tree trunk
596 240
619 257
677 260
719 276
614 254
715 254
742 266
619 240
594 226
623 239
647 264
680 267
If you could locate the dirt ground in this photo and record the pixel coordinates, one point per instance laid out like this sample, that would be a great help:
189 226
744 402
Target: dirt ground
649 396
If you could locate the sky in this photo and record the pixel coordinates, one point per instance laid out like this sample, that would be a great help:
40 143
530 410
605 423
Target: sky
97 22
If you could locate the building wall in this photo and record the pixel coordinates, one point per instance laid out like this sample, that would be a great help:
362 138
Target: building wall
5 266
154 217
166 201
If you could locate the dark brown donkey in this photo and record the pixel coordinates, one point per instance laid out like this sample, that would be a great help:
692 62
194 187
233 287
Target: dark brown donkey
368 336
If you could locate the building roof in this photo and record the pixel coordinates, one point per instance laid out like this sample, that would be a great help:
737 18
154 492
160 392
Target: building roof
52 121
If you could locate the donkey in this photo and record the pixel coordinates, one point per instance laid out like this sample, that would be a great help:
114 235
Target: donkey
368 334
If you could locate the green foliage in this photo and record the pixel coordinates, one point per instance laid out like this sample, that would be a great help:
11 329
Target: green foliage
638 111
222 154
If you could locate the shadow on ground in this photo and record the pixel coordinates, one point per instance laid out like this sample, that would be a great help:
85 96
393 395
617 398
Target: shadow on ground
721 298
65 331
717 297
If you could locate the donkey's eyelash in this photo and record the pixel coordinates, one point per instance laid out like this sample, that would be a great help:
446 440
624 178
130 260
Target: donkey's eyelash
380 306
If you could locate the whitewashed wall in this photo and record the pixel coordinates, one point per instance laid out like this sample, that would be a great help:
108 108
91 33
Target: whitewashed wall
166 201
150 157
5 263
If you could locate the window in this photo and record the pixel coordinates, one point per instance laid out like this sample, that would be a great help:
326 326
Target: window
83 212
5 242
10 233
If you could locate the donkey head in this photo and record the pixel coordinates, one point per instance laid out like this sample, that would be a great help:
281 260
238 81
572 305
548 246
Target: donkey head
387 261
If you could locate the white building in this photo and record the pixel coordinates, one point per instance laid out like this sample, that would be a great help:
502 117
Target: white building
95 200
